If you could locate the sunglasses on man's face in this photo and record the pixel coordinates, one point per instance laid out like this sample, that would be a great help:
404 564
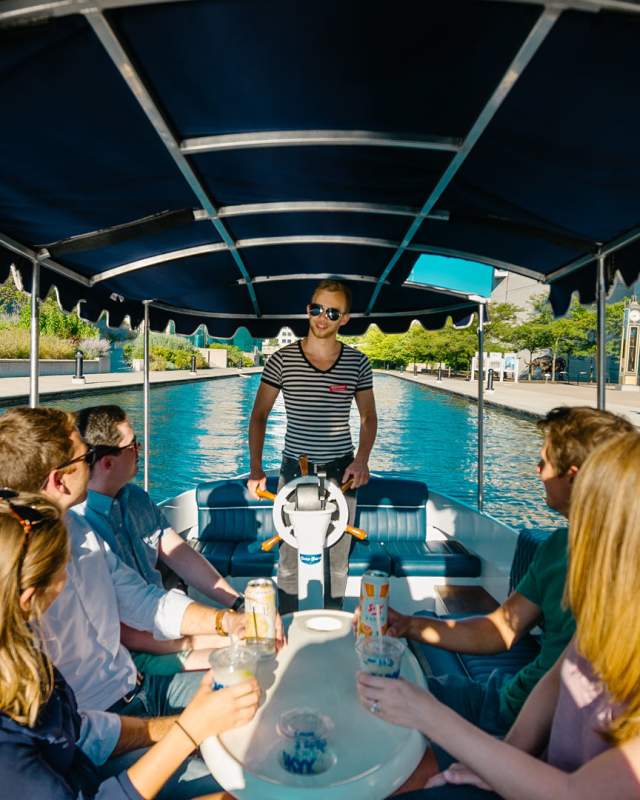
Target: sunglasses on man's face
94 453
27 516
317 310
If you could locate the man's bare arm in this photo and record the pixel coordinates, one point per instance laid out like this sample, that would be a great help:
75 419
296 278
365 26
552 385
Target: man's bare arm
265 398
145 642
194 569
492 633
358 470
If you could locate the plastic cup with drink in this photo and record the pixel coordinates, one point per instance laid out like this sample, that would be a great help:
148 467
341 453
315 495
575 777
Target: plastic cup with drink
381 656
232 665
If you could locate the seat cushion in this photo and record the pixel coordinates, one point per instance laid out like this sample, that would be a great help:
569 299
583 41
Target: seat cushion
249 561
391 509
368 555
437 559
227 513
436 661
217 553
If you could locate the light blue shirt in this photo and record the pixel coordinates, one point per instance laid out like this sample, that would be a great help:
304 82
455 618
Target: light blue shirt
82 629
132 525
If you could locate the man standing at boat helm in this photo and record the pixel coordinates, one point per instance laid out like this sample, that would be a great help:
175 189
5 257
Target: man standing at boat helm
319 377
570 436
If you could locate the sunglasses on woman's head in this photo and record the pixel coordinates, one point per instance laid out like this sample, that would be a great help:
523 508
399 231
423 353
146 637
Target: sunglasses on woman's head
27 516
317 310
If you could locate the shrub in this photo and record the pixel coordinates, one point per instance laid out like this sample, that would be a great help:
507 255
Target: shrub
235 356
56 322
16 343
94 348
167 352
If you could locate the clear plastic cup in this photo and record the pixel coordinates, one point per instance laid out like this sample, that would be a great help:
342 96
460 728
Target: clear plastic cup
381 656
232 665
306 746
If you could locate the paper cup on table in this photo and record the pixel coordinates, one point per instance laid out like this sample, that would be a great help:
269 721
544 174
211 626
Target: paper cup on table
233 665
381 656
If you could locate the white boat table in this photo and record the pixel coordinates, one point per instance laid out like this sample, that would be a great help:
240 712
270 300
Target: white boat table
317 670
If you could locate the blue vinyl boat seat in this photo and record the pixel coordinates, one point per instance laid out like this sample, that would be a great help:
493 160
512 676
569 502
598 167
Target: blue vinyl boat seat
436 661
393 511
231 525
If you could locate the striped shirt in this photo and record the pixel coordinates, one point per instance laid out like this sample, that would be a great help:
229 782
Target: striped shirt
318 402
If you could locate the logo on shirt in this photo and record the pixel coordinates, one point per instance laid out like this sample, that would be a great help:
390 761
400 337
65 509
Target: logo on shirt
337 388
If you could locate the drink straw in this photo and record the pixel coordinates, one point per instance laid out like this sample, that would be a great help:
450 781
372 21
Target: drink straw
378 622
255 624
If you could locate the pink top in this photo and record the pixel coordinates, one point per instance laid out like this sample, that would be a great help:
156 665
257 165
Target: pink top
584 709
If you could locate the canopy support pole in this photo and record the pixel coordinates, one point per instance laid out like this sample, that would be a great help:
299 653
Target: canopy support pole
480 406
601 353
146 393
34 326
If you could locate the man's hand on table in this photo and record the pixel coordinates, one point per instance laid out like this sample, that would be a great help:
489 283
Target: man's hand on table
357 472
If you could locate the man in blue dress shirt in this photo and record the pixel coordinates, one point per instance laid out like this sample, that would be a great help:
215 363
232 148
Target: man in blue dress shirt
138 533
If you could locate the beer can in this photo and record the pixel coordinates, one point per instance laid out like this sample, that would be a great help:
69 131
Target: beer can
374 604
260 610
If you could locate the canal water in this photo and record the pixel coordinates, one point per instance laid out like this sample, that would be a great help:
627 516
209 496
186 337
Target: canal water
199 432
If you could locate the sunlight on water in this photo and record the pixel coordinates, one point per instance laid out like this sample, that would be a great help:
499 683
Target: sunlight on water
199 433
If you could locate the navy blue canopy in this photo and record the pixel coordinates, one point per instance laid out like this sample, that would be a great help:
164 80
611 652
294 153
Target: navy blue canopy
218 157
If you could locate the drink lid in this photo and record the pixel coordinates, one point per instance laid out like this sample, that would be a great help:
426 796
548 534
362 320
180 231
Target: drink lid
235 656
381 646
304 722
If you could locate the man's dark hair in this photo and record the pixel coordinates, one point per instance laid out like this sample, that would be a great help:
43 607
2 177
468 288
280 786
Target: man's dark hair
333 285
99 424
573 432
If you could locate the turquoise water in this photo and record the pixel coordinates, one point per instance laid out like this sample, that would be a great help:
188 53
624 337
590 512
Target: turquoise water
199 432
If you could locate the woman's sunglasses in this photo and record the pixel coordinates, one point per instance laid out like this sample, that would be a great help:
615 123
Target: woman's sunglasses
317 310
27 516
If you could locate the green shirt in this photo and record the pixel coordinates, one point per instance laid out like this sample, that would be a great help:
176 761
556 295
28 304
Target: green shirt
543 584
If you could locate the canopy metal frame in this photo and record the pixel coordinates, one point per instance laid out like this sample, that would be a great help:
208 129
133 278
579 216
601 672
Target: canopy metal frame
528 49
15 11
118 54
19 11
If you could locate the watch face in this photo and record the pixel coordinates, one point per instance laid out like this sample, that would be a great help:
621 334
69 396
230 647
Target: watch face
634 315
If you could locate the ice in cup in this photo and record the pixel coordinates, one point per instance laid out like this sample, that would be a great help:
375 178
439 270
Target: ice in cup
305 750
232 665
381 656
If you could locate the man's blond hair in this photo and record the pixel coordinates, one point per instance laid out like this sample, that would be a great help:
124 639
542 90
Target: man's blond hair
334 285
33 442
572 432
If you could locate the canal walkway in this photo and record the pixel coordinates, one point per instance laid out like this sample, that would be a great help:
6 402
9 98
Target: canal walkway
15 391
534 399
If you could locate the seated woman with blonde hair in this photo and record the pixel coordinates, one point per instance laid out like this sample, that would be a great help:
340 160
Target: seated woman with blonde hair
39 722
578 735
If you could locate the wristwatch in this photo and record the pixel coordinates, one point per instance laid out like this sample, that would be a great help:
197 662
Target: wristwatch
238 603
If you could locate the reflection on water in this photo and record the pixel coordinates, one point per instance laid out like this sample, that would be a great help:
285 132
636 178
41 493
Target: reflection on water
199 432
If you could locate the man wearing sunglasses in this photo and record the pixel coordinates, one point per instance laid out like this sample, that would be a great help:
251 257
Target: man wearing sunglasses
319 378
123 710
137 531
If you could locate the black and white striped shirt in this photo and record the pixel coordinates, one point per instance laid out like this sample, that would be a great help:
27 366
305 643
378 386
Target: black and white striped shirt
318 401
